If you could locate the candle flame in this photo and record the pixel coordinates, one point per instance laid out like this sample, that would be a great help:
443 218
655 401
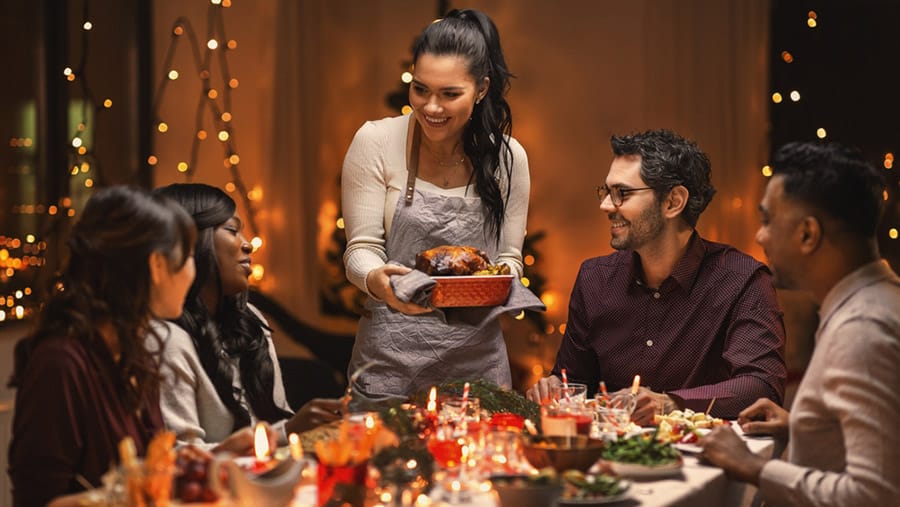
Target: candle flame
432 400
261 441
296 448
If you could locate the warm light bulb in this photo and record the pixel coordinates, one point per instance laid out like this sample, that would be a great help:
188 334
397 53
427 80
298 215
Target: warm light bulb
406 77
795 95
811 22
233 83
562 328
229 187
226 116
339 223
182 167
107 103
76 142
201 134
525 281
893 233
528 260
257 272
67 71
232 44
178 30
234 159
256 243
223 135
405 110
173 74
212 43
162 127
212 93
521 315
787 56
87 26
776 98
82 150
821 133
88 183
152 160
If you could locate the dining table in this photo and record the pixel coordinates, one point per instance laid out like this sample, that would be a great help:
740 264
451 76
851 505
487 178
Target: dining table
695 484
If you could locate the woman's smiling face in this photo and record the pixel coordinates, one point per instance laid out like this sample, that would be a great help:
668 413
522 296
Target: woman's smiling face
233 256
442 95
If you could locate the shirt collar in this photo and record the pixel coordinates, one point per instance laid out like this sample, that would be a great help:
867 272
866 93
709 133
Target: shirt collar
686 269
863 276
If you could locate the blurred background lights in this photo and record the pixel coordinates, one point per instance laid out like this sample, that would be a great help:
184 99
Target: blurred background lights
256 243
767 171
229 187
776 98
162 127
821 133
173 74
223 135
76 142
87 25
795 95
405 110
339 223
107 103
212 43
787 56
893 233
182 167
257 272
406 77
67 71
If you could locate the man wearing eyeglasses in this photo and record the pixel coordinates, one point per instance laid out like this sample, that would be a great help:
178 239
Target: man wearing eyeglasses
697 320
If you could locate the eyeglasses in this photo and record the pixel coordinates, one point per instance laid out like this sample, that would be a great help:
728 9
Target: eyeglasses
616 194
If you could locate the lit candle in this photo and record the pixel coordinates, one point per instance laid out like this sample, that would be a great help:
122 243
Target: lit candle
432 400
296 448
260 448
636 385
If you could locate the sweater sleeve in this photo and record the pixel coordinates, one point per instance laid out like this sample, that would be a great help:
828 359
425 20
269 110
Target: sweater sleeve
47 437
363 193
513 234
180 382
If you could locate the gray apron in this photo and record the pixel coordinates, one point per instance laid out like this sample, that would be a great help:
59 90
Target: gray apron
414 352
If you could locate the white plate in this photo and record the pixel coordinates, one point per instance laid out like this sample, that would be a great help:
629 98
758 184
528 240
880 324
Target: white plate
600 500
634 471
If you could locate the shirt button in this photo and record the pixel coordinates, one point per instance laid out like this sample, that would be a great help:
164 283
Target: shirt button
649 343
656 295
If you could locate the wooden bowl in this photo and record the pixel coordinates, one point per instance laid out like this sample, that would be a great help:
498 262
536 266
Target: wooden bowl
563 453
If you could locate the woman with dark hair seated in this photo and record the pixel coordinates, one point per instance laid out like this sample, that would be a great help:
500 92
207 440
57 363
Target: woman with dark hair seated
84 377
219 364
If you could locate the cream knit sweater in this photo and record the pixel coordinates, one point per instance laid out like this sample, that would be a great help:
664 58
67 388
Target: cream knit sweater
374 175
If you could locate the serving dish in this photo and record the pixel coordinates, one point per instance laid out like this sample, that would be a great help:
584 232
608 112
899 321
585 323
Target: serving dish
470 290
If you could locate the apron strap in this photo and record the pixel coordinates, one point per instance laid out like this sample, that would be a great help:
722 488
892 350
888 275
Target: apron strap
412 158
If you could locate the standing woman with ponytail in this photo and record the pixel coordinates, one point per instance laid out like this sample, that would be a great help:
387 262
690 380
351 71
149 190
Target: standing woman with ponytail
449 173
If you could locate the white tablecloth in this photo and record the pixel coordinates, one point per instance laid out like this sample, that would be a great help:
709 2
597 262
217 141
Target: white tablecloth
698 485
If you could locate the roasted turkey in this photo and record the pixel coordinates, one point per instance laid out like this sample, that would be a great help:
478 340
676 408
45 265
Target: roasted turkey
447 260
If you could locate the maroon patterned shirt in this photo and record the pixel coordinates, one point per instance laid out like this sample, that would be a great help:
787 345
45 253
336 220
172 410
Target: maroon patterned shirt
712 329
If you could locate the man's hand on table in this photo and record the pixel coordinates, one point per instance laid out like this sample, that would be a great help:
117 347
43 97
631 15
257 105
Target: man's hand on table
647 404
764 417
540 392
724 448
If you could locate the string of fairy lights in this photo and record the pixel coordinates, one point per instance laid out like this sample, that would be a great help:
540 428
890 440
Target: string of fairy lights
793 95
214 102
